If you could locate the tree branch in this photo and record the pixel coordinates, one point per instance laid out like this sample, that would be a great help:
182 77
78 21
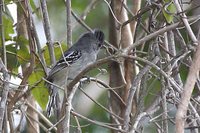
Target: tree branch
97 122
185 21
3 102
135 85
156 33
46 24
69 23
187 91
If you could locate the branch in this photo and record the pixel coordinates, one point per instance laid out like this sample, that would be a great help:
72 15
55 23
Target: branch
81 22
139 117
153 109
97 122
135 85
113 14
46 24
89 67
185 21
78 125
156 33
31 119
68 22
34 32
96 102
110 88
90 6
187 91
139 14
41 116
66 109
69 94
27 71
3 102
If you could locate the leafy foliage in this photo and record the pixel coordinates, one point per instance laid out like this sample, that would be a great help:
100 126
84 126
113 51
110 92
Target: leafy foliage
169 11
39 91
8 30
58 49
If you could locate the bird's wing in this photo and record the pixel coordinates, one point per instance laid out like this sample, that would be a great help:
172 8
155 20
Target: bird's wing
69 57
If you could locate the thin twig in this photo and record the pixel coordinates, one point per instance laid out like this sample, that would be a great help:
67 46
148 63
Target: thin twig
185 21
90 6
66 109
41 116
53 126
109 88
34 32
46 24
113 14
68 22
81 22
31 119
78 125
97 103
156 33
135 85
97 122
28 70
139 117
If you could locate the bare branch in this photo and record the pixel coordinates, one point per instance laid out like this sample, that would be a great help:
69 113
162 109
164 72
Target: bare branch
69 23
66 109
3 102
135 85
41 116
96 102
97 122
81 22
156 33
78 125
187 91
139 117
185 21
90 6
46 24
34 32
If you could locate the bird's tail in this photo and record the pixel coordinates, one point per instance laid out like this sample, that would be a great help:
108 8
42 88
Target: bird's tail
52 103
52 99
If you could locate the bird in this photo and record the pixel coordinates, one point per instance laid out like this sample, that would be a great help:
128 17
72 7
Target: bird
81 54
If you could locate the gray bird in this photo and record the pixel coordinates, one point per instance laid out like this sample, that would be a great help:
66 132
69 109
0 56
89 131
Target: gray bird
74 60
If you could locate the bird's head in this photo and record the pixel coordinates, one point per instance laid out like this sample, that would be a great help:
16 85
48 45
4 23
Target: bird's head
95 39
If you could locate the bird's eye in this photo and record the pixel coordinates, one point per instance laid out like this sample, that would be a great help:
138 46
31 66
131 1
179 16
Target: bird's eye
99 44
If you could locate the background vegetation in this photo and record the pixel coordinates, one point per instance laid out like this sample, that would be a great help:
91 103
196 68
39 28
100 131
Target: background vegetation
146 78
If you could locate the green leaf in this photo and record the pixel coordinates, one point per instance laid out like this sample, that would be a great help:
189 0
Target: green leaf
35 8
7 1
39 91
154 88
79 5
8 14
8 27
169 10
57 50
11 53
23 52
